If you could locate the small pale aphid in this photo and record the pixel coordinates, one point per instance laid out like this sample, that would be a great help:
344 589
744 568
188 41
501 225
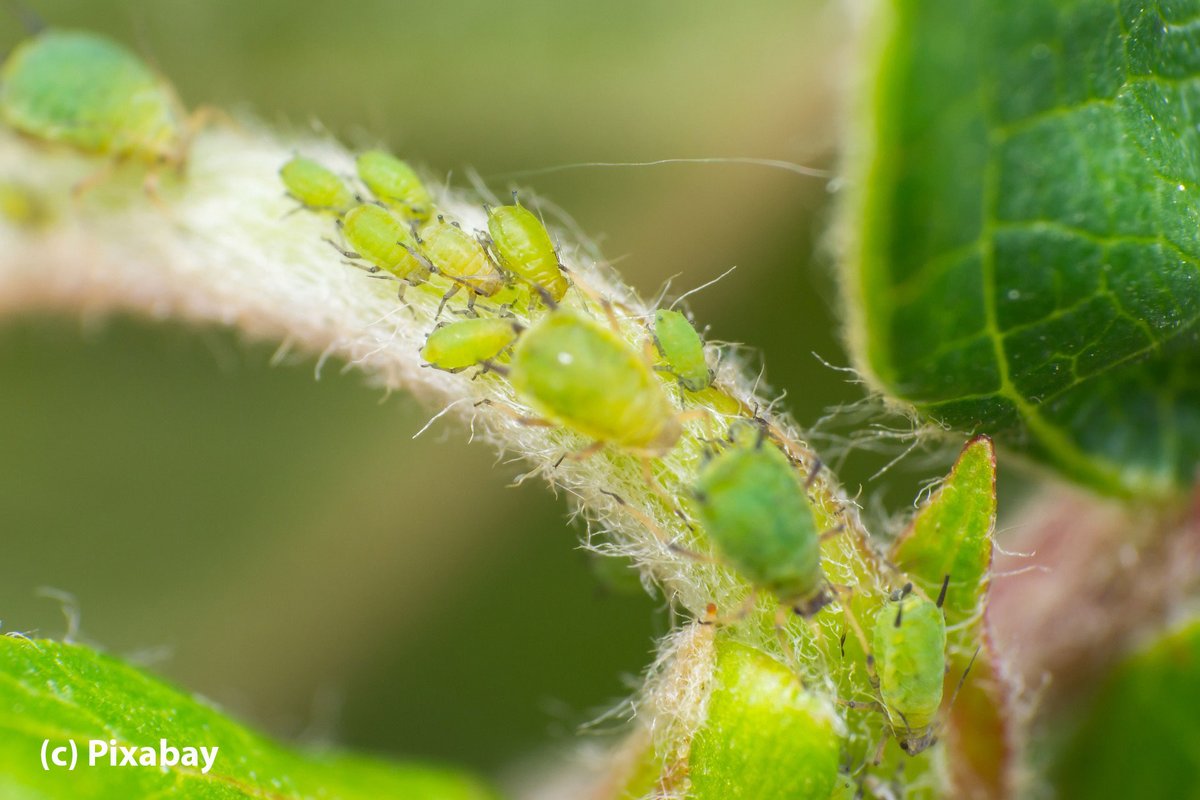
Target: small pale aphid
522 246
683 350
86 91
383 241
469 342
315 187
583 376
909 650
395 184
459 256
756 511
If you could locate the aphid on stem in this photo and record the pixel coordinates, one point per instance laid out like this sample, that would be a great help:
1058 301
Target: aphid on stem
88 92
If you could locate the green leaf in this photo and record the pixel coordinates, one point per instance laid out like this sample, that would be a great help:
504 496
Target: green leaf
1141 737
1024 228
63 693
951 535
765 734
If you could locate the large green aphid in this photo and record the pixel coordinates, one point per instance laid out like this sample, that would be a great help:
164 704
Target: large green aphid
579 374
88 92
756 512
315 186
909 651
522 246
459 256
395 183
683 350
383 241
469 342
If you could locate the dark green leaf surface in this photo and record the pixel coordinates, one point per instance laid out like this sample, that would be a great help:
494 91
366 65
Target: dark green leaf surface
1141 737
1025 228
60 692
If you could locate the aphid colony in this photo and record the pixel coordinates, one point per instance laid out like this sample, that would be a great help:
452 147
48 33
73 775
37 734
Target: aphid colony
580 373
751 500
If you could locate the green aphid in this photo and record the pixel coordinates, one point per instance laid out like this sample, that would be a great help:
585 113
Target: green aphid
395 184
583 376
316 187
683 350
755 510
522 246
377 237
909 650
459 256
469 342
86 91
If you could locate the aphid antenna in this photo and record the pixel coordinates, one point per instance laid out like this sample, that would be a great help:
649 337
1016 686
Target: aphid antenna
690 292
786 166
652 526
942 594
662 293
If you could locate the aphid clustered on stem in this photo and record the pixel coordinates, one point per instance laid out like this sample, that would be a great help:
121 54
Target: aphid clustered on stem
551 350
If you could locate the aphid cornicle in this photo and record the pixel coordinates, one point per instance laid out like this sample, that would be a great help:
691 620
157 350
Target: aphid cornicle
459 256
395 183
469 342
523 247
683 350
384 241
86 91
909 650
315 187
579 374
755 510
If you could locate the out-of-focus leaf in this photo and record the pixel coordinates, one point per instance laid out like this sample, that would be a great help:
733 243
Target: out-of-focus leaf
1141 736
63 693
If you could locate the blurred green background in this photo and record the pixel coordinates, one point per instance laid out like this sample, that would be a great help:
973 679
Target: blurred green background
280 544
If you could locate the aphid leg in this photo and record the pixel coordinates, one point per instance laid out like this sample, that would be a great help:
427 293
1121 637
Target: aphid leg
743 610
961 680
581 455
533 422
654 528
350 254
813 472
446 298
150 185
883 740
89 182
591 294
655 486
491 366
835 531
197 121
852 621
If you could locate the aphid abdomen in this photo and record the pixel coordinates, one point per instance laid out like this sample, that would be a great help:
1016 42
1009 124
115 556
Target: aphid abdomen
581 375
395 183
523 247
384 241
754 509
910 660
83 90
468 342
460 257
314 186
683 349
